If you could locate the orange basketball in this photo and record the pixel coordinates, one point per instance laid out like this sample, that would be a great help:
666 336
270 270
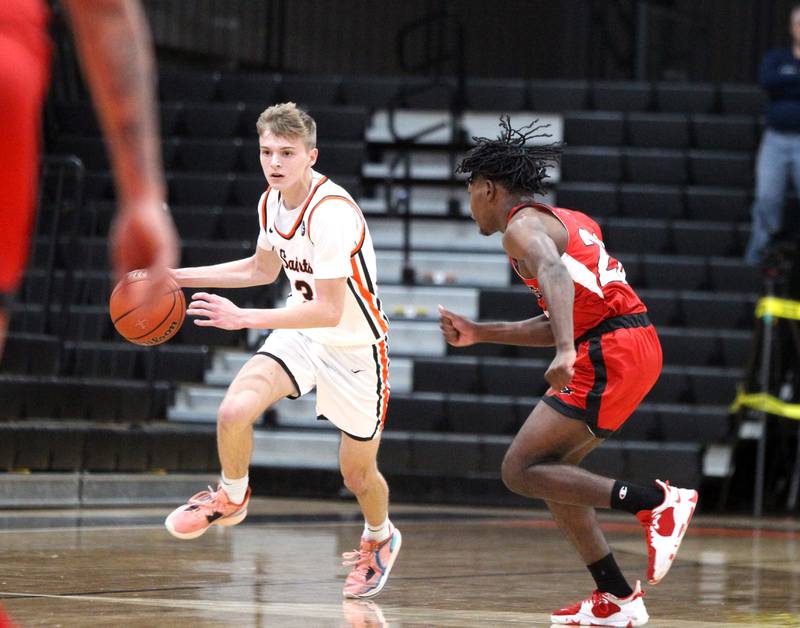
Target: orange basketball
144 322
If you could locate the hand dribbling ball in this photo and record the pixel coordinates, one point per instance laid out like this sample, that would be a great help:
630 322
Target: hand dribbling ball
145 320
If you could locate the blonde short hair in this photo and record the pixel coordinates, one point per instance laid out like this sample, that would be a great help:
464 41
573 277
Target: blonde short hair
288 120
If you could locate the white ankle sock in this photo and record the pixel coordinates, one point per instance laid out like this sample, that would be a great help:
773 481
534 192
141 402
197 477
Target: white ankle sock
235 489
377 533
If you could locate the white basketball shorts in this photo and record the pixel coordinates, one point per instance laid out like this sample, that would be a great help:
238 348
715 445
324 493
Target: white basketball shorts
352 382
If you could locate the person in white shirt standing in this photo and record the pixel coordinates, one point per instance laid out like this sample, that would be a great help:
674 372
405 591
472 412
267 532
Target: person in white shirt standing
331 335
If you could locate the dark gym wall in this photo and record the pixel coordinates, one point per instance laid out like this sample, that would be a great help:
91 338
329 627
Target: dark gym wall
714 40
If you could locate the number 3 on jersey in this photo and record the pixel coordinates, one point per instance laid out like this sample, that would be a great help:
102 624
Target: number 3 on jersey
606 273
303 288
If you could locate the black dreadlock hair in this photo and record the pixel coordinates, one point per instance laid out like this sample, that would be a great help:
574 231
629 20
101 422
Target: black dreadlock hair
507 160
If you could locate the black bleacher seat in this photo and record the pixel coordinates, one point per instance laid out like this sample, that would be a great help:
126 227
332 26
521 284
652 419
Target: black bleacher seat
667 272
704 238
394 455
621 96
651 201
680 462
76 118
718 203
31 354
595 199
341 158
206 120
249 88
423 94
34 453
655 165
239 223
370 92
631 263
737 348
246 189
663 306
594 128
339 123
591 164
694 423
734 275
503 95
549 95
217 156
506 304
636 235
457 455
724 132
658 130
67 449
90 150
685 97
117 360
171 118
642 425
608 460
521 378
199 189
747 99
673 386
481 415
203 252
187 85
714 387
8 438
689 347
198 222
718 311
721 168
309 90
457 375
420 412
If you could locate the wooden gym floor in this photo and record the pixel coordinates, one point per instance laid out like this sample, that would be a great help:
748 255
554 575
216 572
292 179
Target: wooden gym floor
458 567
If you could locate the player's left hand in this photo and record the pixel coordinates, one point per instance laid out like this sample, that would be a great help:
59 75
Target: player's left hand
218 311
561 370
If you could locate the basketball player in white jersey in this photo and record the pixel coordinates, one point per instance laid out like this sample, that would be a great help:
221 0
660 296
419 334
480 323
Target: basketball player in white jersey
331 335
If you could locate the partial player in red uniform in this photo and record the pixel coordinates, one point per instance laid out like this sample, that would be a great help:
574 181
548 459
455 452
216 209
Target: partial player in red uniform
117 57
607 359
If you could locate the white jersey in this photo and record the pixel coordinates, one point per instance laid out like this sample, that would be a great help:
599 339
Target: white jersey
326 237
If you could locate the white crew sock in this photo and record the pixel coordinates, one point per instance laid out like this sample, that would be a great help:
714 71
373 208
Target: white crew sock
377 533
235 489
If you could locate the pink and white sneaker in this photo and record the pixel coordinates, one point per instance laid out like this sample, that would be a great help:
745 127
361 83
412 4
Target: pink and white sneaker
203 510
664 528
371 564
604 609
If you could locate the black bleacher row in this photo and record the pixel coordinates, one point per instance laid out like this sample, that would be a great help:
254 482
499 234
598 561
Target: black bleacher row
657 166
217 120
661 130
514 377
460 413
218 156
666 308
687 347
480 94
469 457
82 447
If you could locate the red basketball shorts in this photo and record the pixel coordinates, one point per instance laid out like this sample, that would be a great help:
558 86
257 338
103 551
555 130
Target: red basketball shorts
24 61
617 364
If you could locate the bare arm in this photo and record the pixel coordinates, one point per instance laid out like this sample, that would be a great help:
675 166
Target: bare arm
527 239
462 332
261 268
325 310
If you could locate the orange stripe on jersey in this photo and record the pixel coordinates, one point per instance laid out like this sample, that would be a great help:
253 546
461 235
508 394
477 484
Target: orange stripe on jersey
288 236
384 359
368 297
263 210
336 197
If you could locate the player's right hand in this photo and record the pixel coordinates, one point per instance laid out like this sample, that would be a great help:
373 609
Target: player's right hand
144 237
458 331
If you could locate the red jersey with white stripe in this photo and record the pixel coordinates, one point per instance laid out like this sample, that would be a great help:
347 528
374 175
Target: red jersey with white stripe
601 290
326 237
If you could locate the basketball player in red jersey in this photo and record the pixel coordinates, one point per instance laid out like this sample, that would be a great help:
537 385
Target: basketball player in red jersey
114 44
607 359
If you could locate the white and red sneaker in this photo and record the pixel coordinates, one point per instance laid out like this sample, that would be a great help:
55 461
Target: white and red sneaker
604 609
203 510
664 527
